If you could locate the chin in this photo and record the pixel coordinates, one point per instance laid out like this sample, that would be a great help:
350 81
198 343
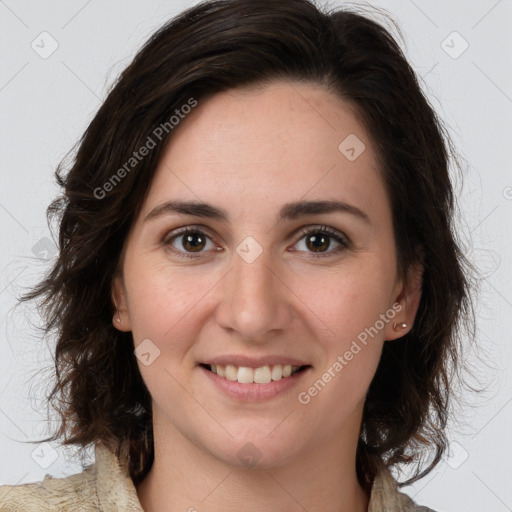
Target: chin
257 451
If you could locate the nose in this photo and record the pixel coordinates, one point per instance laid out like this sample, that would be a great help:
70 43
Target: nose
256 301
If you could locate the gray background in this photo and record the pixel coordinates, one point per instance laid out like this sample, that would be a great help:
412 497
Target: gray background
47 101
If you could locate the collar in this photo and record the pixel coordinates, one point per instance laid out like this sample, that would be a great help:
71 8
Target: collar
113 484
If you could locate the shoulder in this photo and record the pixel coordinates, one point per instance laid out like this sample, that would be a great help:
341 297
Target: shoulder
385 495
104 486
52 494
407 504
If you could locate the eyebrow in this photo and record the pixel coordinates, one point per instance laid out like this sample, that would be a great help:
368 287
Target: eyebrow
289 211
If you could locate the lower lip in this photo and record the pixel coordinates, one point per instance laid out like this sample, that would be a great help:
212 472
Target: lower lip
254 392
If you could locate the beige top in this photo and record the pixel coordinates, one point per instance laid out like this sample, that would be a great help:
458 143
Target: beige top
105 486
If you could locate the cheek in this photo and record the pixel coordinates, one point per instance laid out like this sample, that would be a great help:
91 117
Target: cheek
166 306
349 305
162 305
349 301
351 331
161 299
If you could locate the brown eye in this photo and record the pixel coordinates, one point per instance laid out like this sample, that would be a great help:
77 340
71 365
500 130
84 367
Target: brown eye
188 242
193 242
322 241
318 243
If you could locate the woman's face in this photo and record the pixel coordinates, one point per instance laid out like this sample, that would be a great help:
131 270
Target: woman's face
289 260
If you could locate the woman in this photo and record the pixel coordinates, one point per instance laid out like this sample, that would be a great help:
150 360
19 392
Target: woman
259 294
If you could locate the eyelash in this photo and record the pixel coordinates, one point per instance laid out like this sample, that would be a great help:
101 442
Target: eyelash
324 230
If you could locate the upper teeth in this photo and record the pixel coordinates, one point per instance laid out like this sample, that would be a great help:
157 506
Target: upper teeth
261 375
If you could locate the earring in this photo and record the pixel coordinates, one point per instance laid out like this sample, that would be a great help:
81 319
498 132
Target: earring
399 327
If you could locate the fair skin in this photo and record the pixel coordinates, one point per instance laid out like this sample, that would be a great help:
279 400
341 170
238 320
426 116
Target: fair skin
250 152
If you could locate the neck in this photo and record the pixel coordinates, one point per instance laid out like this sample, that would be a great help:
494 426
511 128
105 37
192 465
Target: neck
186 478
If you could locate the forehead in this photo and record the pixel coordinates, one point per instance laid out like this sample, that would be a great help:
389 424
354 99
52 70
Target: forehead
266 144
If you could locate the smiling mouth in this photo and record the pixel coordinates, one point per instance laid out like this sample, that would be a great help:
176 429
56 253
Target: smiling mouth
261 375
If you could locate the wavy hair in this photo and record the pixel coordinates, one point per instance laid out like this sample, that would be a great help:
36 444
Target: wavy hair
214 46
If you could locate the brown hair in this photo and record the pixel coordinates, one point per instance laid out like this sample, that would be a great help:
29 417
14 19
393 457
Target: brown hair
214 46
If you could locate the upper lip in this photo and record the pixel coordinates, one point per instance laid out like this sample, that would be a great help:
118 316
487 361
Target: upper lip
254 362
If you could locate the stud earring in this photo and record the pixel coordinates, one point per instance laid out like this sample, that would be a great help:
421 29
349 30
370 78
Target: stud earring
399 327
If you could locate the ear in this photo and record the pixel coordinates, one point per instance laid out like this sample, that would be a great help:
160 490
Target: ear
121 318
406 303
